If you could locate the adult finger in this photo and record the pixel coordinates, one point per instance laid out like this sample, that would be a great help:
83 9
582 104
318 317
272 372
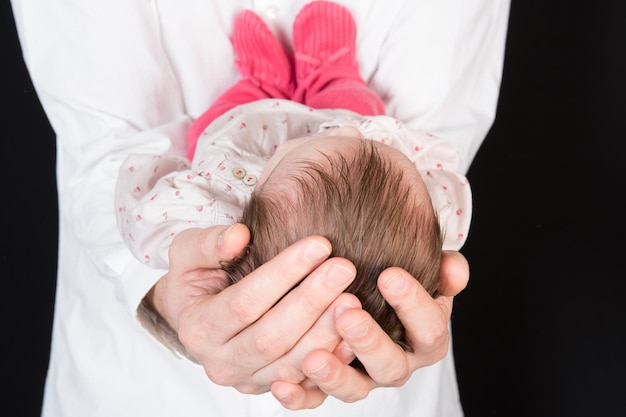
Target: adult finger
281 327
454 273
296 397
336 378
424 318
425 324
322 335
228 317
385 361
197 248
327 375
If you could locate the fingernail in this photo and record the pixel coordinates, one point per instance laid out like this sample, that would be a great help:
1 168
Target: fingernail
358 329
316 252
321 372
345 353
222 237
339 309
338 276
396 284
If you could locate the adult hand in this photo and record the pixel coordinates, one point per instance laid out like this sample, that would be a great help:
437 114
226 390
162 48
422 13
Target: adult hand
245 335
387 364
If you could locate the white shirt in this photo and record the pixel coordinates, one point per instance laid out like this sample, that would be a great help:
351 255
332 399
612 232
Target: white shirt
118 78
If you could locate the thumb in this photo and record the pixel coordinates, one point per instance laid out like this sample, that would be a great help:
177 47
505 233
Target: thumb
197 248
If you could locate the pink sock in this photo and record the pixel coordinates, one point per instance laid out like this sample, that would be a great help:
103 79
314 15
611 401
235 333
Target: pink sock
327 72
266 68
261 57
346 93
245 91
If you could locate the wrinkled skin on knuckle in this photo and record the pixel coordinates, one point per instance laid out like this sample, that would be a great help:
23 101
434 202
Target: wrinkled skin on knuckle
239 308
313 304
393 372
395 376
289 373
433 346
189 337
271 344
355 396
436 338
438 354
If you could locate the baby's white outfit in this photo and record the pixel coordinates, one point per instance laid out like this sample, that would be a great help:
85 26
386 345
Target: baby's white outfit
159 196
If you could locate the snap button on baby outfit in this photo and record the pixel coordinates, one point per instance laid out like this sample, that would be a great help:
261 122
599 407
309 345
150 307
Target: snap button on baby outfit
249 180
239 173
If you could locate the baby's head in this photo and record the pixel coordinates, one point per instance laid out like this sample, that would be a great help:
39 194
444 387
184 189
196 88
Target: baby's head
365 197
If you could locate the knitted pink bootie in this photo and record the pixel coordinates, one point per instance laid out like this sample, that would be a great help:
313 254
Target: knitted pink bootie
261 57
266 68
324 34
326 69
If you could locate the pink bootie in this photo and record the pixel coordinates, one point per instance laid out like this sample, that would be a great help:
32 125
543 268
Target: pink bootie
266 68
326 69
261 57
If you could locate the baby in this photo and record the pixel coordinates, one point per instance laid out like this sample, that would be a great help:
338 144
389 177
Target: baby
292 152
366 197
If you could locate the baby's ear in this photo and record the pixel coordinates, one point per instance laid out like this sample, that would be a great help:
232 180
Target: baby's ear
345 131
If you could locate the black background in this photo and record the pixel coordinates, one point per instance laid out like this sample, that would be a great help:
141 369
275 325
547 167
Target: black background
539 331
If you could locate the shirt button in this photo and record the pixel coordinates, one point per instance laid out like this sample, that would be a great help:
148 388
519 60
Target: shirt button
272 12
239 173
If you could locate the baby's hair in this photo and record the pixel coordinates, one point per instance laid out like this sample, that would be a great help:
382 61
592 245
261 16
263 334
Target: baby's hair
362 202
